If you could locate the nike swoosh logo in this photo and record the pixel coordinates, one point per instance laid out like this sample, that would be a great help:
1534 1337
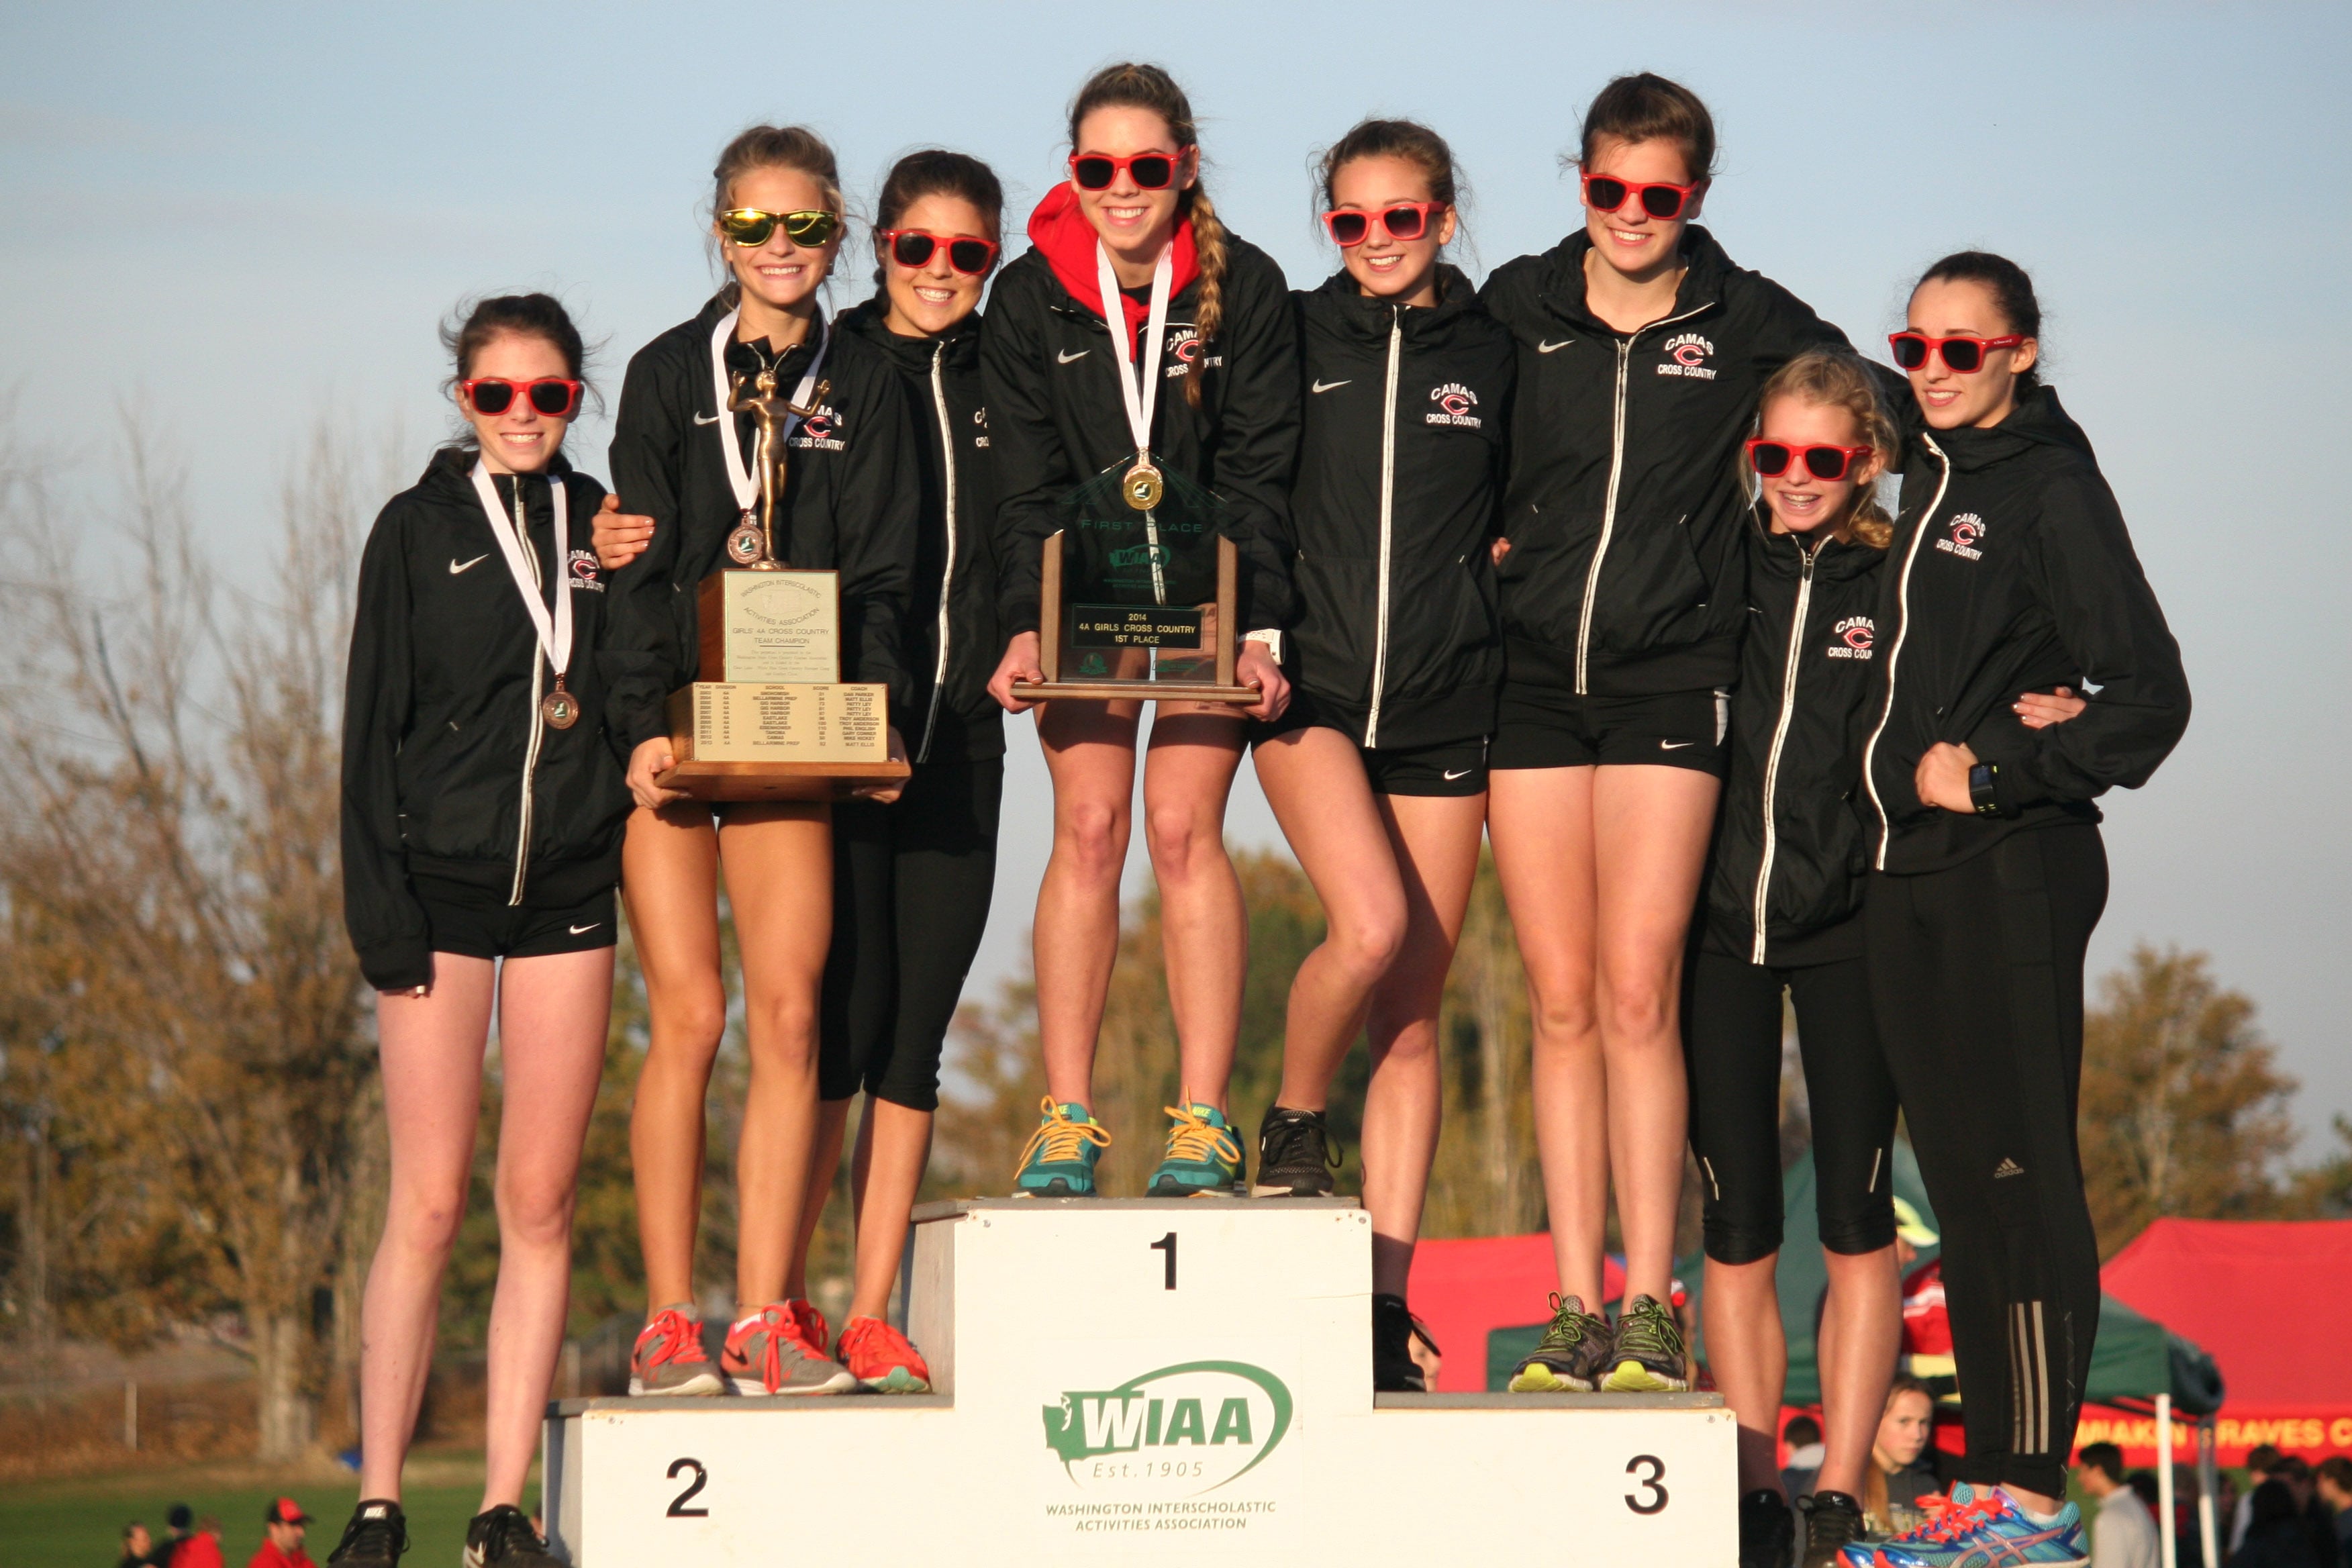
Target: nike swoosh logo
1463 774
591 925
1066 357
1675 745
455 567
699 419
1549 348
1326 385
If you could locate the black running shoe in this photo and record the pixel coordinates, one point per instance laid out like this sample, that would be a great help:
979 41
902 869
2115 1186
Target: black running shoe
1833 1521
1573 1354
1649 1357
504 1536
1768 1530
1394 1327
376 1536
1296 1156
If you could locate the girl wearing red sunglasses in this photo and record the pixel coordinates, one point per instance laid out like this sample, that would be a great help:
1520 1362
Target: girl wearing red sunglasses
1641 348
1134 205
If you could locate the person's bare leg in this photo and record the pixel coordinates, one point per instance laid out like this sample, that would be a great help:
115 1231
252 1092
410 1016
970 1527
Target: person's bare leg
1314 779
552 1013
1436 842
779 863
1749 1353
432 1051
1090 751
669 884
1651 826
1203 927
1862 1331
825 1164
894 1143
1540 820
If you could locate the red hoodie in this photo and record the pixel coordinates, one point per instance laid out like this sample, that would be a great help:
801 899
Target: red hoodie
1061 231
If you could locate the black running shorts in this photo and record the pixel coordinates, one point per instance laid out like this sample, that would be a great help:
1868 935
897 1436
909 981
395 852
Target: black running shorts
477 923
1447 768
1545 726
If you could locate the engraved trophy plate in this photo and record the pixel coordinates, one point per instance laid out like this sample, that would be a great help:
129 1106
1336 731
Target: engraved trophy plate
771 627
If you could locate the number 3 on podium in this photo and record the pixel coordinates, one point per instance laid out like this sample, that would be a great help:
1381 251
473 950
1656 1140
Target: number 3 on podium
1167 1244
1656 1501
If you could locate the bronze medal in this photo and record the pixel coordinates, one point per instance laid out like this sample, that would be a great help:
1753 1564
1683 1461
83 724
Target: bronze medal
1142 486
560 707
746 543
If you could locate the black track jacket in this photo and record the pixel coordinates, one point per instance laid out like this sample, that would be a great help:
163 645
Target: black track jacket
449 769
2012 572
849 506
1397 638
1625 501
950 638
1790 846
1056 420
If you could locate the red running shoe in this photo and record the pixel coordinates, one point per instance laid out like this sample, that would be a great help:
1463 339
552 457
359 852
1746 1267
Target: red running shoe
669 1359
765 1355
882 1359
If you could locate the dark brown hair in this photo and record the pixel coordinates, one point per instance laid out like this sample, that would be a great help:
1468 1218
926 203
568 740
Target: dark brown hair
2012 294
470 329
1644 108
1148 87
1839 378
793 147
1407 139
935 172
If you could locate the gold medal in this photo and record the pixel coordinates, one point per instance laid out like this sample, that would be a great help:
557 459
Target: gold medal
560 707
746 543
1142 486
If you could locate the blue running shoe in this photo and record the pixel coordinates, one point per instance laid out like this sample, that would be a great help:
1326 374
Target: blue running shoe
1058 1162
1980 1529
1203 1156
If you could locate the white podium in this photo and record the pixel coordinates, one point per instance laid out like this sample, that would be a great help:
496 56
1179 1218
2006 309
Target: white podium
1126 1381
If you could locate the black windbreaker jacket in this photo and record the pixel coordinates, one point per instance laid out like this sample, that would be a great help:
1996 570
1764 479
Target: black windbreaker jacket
1056 418
949 640
449 771
847 504
1790 851
2012 572
1396 636
1626 502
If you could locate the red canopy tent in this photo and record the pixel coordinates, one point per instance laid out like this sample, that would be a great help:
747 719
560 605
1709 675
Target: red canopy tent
2271 1303
1464 1289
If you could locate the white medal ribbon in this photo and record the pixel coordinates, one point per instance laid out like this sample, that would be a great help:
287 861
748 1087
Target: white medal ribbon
555 640
1140 405
738 474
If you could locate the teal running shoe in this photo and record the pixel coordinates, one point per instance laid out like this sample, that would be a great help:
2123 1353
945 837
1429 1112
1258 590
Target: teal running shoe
1058 1162
1203 1156
1980 1529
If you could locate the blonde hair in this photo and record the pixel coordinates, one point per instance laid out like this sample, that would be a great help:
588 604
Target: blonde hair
1838 378
1149 87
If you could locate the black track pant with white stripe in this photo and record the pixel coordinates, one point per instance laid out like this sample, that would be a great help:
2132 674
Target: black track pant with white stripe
1976 975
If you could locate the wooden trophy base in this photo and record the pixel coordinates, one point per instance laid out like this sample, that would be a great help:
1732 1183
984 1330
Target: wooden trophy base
748 741
778 780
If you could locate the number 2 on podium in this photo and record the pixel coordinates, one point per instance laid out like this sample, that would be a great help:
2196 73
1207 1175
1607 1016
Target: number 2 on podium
1167 1244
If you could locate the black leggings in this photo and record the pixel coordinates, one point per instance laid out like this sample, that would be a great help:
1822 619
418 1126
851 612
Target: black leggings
1731 1047
1976 973
911 883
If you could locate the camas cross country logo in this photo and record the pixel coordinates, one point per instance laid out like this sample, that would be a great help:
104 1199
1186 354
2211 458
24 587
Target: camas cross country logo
1852 638
1686 355
1184 350
1200 1424
1964 530
1454 403
585 574
822 431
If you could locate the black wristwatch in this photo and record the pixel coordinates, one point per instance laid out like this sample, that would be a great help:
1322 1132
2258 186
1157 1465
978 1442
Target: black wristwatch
1981 778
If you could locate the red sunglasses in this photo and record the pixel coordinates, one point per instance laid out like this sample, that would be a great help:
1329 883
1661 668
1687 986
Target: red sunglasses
553 395
1963 353
1406 220
1149 171
1659 199
1771 459
916 246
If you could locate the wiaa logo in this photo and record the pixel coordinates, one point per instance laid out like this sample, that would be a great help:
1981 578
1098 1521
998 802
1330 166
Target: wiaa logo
1855 636
1963 533
1686 355
1139 556
1454 403
822 431
1204 1422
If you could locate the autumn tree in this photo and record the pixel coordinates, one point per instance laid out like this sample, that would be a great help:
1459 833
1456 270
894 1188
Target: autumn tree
2183 1110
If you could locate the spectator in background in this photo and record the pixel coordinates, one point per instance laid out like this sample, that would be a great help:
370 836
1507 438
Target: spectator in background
2303 1481
137 1546
2335 1486
2260 1460
284 1525
1803 1435
1897 1477
2124 1535
2277 1535
182 1520
202 1550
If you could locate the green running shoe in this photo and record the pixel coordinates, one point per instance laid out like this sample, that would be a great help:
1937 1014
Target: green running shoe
1648 1357
1571 1356
1058 1161
1203 1156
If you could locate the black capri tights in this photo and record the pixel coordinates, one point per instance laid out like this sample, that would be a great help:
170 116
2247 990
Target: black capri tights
911 883
1731 1047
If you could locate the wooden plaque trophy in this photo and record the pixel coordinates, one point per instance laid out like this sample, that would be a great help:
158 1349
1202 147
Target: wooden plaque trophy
769 716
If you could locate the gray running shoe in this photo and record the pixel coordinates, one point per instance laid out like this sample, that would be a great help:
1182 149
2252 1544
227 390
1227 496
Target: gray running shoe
766 1355
1571 1355
669 1359
1648 1357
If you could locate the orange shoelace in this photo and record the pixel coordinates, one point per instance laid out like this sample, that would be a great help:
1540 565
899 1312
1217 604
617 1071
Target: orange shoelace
1061 1136
676 1337
1196 1137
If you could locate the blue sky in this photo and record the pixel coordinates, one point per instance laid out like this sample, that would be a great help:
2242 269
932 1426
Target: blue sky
249 217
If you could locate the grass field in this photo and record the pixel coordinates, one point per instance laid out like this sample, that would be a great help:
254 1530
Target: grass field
78 1523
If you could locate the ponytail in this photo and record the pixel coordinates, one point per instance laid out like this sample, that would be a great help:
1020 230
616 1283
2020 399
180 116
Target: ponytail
1209 242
